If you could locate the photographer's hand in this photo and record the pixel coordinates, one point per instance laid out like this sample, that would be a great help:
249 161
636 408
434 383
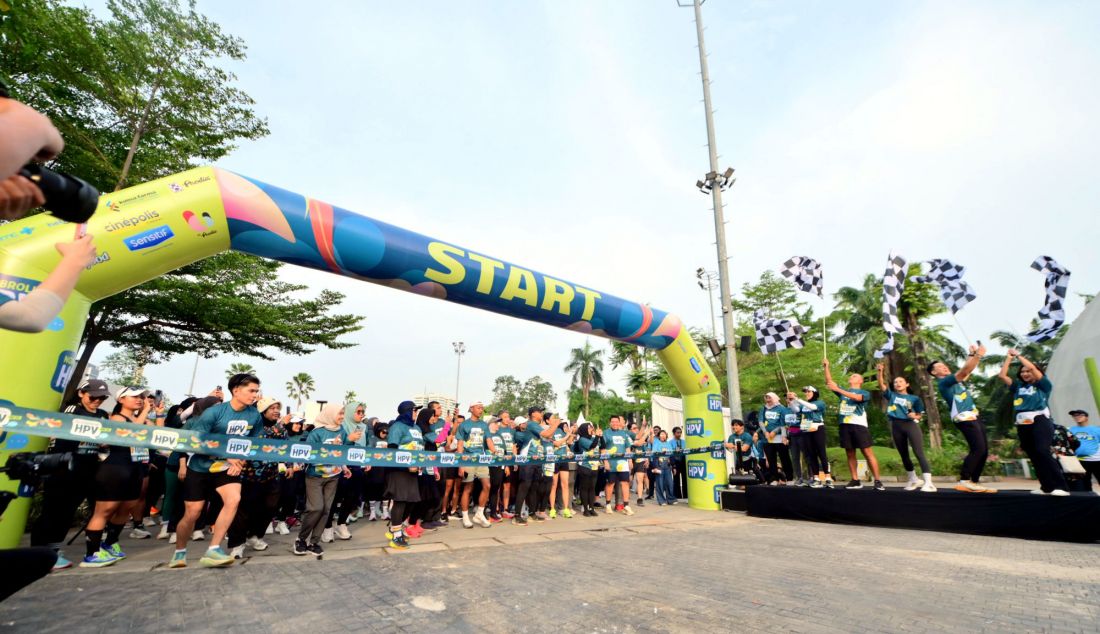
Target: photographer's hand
75 257
18 196
28 135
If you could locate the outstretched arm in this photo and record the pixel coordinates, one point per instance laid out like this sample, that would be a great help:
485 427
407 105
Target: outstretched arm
976 354
1003 375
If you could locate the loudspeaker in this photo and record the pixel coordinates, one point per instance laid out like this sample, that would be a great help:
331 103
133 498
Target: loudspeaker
746 342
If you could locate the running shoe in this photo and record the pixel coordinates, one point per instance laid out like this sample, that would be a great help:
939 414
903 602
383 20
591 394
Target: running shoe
61 563
197 536
116 551
609 510
627 510
968 486
466 522
1039 492
829 483
342 532
215 558
140 533
553 514
270 529
327 535
179 559
98 560
494 519
567 514
300 547
282 529
399 543
540 517
1059 493
518 521
816 484
928 488
913 485
256 543
508 515
641 501
434 525
879 486
237 552
414 531
316 550
854 484
163 534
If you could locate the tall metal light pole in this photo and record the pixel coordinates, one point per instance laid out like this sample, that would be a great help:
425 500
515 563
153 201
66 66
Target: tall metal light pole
460 349
708 281
714 183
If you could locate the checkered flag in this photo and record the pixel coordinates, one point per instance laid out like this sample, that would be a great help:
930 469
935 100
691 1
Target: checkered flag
805 273
1053 313
773 335
893 283
955 292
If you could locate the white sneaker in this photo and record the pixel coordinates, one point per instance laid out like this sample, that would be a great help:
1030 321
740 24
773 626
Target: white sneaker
171 538
1039 492
270 529
140 533
479 519
627 510
1059 493
968 486
326 535
282 528
609 509
255 543
198 536
237 553
373 517
385 515
913 485
342 531
466 523
149 522
928 487
163 534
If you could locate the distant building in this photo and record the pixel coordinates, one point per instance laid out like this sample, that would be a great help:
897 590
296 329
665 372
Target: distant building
90 372
448 402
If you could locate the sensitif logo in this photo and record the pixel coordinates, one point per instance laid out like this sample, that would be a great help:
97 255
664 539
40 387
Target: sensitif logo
150 238
198 223
301 452
238 446
165 438
714 402
694 427
86 428
63 371
132 221
403 457
695 365
697 469
357 455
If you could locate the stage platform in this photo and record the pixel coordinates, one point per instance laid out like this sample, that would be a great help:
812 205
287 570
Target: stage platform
1004 514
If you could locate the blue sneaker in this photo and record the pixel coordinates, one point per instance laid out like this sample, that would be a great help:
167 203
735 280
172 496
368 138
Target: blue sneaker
116 551
179 559
216 558
98 560
61 563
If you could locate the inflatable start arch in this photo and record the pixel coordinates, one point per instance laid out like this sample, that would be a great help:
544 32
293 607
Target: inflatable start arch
148 230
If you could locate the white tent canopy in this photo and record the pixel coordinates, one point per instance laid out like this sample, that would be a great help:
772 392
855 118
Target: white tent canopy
1067 367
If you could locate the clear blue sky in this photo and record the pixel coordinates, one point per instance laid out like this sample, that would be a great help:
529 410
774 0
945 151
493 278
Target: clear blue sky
567 136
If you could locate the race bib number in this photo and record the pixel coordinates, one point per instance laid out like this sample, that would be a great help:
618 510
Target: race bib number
139 454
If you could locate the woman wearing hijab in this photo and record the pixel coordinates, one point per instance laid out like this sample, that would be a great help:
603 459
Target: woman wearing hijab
427 480
261 487
321 480
375 481
349 489
401 482
588 443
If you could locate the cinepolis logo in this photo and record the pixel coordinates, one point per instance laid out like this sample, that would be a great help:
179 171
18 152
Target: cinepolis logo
198 223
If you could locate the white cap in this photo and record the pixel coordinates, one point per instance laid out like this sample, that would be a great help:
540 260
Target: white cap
130 391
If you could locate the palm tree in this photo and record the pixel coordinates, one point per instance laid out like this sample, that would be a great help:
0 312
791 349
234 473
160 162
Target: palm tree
350 396
300 387
586 365
239 368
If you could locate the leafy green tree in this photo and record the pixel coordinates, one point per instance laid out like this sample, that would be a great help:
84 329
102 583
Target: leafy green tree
586 367
210 307
122 368
300 387
239 368
515 397
536 391
773 294
350 396
601 405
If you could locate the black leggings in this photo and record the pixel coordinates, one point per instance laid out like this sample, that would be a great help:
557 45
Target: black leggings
348 491
797 447
780 451
1035 440
906 433
974 462
496 482
813 445
400 512
529 481
586 480
258 503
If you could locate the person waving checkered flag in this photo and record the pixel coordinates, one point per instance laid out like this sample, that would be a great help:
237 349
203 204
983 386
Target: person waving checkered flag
773 335
1053 313
893 283
947 275
805 273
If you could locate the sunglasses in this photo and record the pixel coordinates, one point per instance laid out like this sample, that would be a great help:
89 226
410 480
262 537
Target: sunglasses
97 398
360 412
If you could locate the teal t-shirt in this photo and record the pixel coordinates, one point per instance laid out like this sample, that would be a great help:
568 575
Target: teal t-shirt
473 433
223 419
498 441
1089 437
322 436
746 441
899 406
528 442
404 436
1031 397
773 420
852 411
618 442
508 439
959 398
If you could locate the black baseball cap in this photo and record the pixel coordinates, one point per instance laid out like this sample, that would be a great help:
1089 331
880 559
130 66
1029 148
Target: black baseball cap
1078 412
94 387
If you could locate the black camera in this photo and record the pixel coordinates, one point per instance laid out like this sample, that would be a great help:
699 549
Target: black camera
67 197
29 468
